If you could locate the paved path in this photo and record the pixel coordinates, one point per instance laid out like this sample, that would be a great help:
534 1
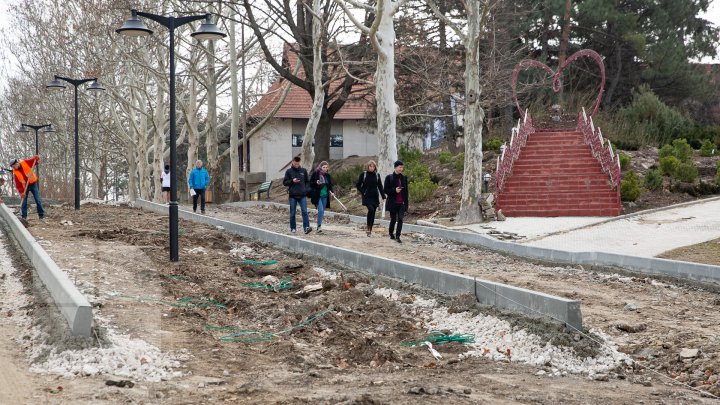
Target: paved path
646 234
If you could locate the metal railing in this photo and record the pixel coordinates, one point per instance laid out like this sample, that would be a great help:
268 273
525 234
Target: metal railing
603 152
510 153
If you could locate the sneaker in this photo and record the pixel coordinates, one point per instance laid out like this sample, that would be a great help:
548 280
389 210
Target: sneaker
292 231
308 230
202 212
398 240
319 230
42 219
392 236
368 233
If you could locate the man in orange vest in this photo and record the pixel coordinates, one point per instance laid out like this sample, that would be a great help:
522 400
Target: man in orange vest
26 182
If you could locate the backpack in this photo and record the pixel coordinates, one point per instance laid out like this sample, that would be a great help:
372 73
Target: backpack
365 176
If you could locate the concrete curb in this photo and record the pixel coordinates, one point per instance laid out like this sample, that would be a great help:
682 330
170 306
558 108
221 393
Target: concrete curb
502 296
646 265
72 304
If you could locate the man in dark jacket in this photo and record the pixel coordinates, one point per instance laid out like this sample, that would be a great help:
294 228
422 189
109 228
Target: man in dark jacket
298 183
396 189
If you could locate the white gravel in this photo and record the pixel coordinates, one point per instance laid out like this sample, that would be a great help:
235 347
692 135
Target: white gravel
496 338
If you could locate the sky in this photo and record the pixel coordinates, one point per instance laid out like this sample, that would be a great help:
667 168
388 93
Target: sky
713 14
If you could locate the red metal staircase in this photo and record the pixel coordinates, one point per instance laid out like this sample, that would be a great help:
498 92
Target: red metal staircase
557 175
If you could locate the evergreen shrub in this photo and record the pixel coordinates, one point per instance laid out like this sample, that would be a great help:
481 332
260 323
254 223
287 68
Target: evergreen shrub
630 187
668 164
708 148
445 157
624 161
348 177
459 163
653 180
686 172
493 144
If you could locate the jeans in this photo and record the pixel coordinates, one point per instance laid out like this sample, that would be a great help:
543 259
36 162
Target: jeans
303 208
396 215
322 203
199 192
32 188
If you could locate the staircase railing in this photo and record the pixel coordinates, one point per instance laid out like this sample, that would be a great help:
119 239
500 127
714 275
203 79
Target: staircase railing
510 153
609 160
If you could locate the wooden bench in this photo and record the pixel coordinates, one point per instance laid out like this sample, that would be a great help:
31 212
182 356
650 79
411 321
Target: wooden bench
264 188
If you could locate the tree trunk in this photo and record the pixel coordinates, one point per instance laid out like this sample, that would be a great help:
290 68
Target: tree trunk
158 145
616 77
192 125
565 37
474 115
234 121
308 152
132 171
211 136
385 91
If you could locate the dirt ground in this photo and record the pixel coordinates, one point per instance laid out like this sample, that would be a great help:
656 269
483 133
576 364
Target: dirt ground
351 354
706 252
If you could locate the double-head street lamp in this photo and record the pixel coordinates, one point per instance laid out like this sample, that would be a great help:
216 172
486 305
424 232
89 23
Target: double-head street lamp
133 27
24 129
57 84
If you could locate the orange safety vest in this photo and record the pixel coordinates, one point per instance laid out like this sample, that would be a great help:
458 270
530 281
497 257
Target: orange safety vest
25 175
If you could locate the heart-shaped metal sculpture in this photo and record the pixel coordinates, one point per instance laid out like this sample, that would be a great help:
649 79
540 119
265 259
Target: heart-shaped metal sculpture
556 75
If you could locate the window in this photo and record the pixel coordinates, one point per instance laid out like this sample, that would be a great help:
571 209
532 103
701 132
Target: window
336 140
297 140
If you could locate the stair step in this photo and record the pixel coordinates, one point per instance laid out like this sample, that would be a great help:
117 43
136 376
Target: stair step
580 212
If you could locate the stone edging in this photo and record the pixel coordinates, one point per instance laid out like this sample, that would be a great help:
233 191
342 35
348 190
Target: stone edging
502 296
72 304
647 265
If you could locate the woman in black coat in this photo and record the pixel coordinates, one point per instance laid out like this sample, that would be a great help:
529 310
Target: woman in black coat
370 187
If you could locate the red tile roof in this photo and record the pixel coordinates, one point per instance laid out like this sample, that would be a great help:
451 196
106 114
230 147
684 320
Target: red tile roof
298 101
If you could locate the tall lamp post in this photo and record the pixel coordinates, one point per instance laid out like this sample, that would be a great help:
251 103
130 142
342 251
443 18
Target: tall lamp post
24 129
133 27
57 84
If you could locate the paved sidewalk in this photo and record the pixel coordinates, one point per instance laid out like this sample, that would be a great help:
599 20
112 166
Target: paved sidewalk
645 234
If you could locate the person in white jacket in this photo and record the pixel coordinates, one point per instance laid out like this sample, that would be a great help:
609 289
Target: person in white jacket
165 179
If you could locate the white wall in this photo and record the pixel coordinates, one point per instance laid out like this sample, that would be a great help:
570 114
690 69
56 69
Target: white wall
271 148
359 139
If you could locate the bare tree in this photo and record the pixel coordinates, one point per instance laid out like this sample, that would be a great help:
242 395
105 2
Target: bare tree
477 13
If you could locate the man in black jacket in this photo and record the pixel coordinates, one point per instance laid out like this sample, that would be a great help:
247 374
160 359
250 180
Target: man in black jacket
396 189
298 183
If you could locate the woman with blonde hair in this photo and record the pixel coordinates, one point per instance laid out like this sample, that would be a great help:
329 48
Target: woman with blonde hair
370 187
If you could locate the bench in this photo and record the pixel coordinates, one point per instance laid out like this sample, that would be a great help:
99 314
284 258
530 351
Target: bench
264 188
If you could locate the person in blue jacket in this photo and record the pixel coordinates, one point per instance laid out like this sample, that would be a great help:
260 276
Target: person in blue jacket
198 182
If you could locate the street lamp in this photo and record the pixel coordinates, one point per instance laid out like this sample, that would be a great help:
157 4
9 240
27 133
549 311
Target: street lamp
134 27
486 181
56 85
24 129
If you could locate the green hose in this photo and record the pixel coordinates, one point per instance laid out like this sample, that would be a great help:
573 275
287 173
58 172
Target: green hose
242 335
438 338
283 284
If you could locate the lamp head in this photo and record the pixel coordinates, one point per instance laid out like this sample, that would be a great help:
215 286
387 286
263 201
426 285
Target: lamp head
22 129
208 30
56 84
95 86
49 128
133 27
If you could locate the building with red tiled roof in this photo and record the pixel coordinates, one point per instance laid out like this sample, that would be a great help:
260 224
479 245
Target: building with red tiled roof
351 132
